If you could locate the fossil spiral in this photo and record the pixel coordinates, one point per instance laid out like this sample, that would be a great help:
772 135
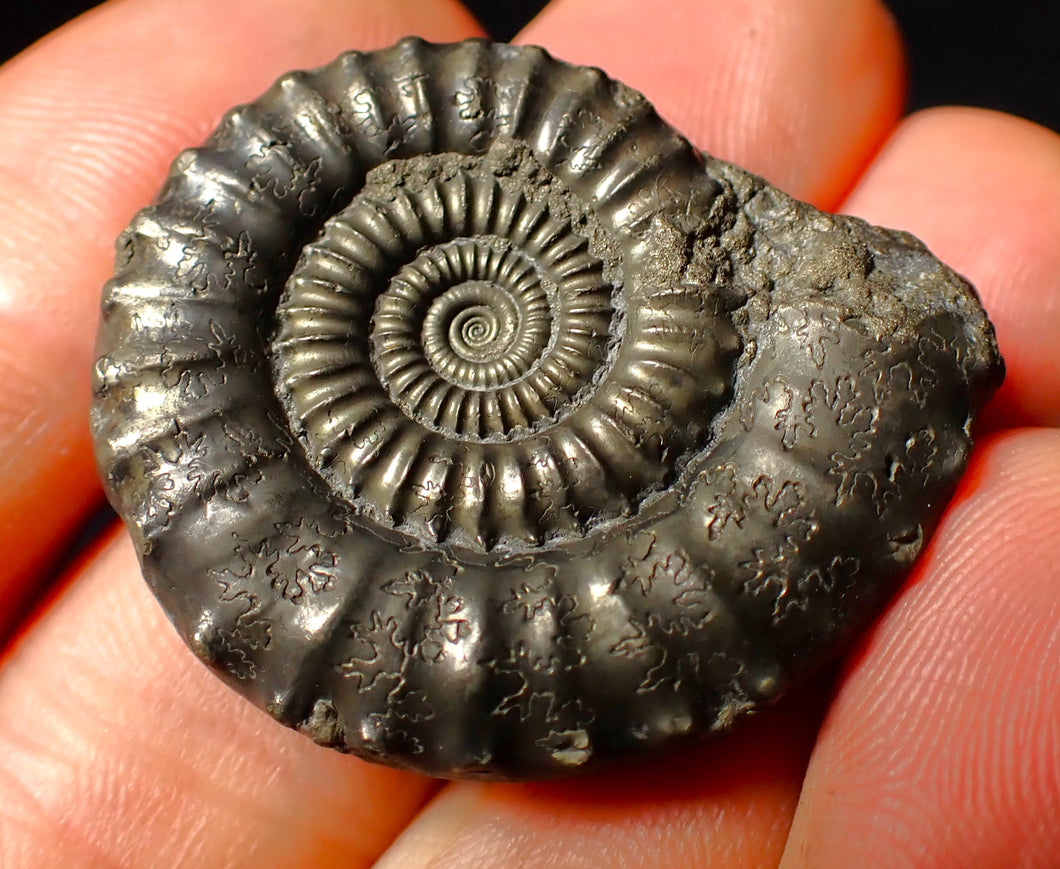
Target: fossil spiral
468 419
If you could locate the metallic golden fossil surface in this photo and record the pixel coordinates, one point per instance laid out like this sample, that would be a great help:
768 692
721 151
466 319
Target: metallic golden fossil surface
470 420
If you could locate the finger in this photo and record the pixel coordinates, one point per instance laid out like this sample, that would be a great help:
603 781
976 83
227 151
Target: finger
801 92
942 748
91 118
729 804
983 192
117 747
725 804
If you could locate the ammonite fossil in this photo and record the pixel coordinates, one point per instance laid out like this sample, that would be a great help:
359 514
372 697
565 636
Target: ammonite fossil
468 419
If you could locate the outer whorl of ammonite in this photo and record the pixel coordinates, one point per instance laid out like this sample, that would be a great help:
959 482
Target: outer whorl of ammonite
468 419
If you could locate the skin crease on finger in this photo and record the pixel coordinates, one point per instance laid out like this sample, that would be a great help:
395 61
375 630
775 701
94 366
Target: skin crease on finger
92 116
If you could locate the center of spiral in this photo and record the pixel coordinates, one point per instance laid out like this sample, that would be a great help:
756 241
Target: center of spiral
470 334
474 330
468 315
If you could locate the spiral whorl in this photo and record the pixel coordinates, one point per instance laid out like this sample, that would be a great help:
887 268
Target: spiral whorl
463 315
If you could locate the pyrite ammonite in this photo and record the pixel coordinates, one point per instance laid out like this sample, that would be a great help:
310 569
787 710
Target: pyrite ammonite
467 418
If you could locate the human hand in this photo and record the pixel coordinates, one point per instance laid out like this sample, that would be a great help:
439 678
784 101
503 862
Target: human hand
939 745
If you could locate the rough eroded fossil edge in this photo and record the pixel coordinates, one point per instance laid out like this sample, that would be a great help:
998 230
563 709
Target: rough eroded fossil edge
823 374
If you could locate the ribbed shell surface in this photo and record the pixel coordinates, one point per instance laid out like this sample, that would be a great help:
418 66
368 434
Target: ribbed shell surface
469 419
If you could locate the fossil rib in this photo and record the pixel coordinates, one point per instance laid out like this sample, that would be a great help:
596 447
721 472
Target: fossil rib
468 419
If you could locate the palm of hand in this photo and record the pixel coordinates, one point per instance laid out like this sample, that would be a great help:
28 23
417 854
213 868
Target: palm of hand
939 741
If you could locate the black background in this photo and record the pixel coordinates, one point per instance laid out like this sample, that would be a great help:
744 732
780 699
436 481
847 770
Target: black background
1002 55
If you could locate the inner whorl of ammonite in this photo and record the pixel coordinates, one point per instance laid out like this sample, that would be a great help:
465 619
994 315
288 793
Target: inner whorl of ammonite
477 339
448 354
